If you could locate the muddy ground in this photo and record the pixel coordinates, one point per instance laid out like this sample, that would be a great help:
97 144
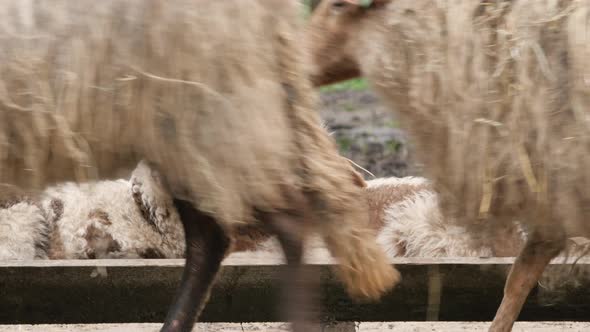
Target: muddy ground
367 133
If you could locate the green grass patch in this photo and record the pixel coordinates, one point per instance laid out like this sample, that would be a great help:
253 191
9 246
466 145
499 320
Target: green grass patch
306 8
391 124
394 146
344 143
355 84
349 107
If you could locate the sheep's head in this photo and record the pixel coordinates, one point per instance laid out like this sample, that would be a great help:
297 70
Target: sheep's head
333 35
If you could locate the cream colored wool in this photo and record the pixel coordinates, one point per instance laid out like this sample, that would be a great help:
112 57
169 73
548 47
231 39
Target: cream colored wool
23 233
113 219
108 219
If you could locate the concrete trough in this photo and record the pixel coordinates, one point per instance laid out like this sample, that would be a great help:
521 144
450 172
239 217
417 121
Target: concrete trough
76 292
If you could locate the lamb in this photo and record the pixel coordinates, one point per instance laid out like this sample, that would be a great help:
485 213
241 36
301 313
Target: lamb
410 223
406 215
407 221
495 97
132 218
213 95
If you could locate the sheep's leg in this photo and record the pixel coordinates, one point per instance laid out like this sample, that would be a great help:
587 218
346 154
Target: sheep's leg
527 269
299 282
206 246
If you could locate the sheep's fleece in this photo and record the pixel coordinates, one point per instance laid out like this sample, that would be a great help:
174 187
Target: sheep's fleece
108 219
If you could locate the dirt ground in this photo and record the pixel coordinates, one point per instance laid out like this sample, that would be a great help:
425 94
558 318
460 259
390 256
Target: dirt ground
367 132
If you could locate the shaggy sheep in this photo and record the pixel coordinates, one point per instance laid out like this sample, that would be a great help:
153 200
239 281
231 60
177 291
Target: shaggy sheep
495 96
213 95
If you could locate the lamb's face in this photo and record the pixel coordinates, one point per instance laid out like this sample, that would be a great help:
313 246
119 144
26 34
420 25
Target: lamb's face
333 34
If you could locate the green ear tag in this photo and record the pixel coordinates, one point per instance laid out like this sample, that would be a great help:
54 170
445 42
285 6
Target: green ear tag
365 3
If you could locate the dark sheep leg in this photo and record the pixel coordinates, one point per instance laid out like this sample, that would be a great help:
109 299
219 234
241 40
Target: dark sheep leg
206 246
299 282
525 273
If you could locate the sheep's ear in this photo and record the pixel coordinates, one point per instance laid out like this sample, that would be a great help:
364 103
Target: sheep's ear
151 195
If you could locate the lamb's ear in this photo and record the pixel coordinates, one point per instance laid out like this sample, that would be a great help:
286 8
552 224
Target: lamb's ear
151 195
359 180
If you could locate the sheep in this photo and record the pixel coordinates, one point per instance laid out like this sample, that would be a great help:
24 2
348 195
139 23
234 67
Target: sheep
495 97
213 95
132 218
